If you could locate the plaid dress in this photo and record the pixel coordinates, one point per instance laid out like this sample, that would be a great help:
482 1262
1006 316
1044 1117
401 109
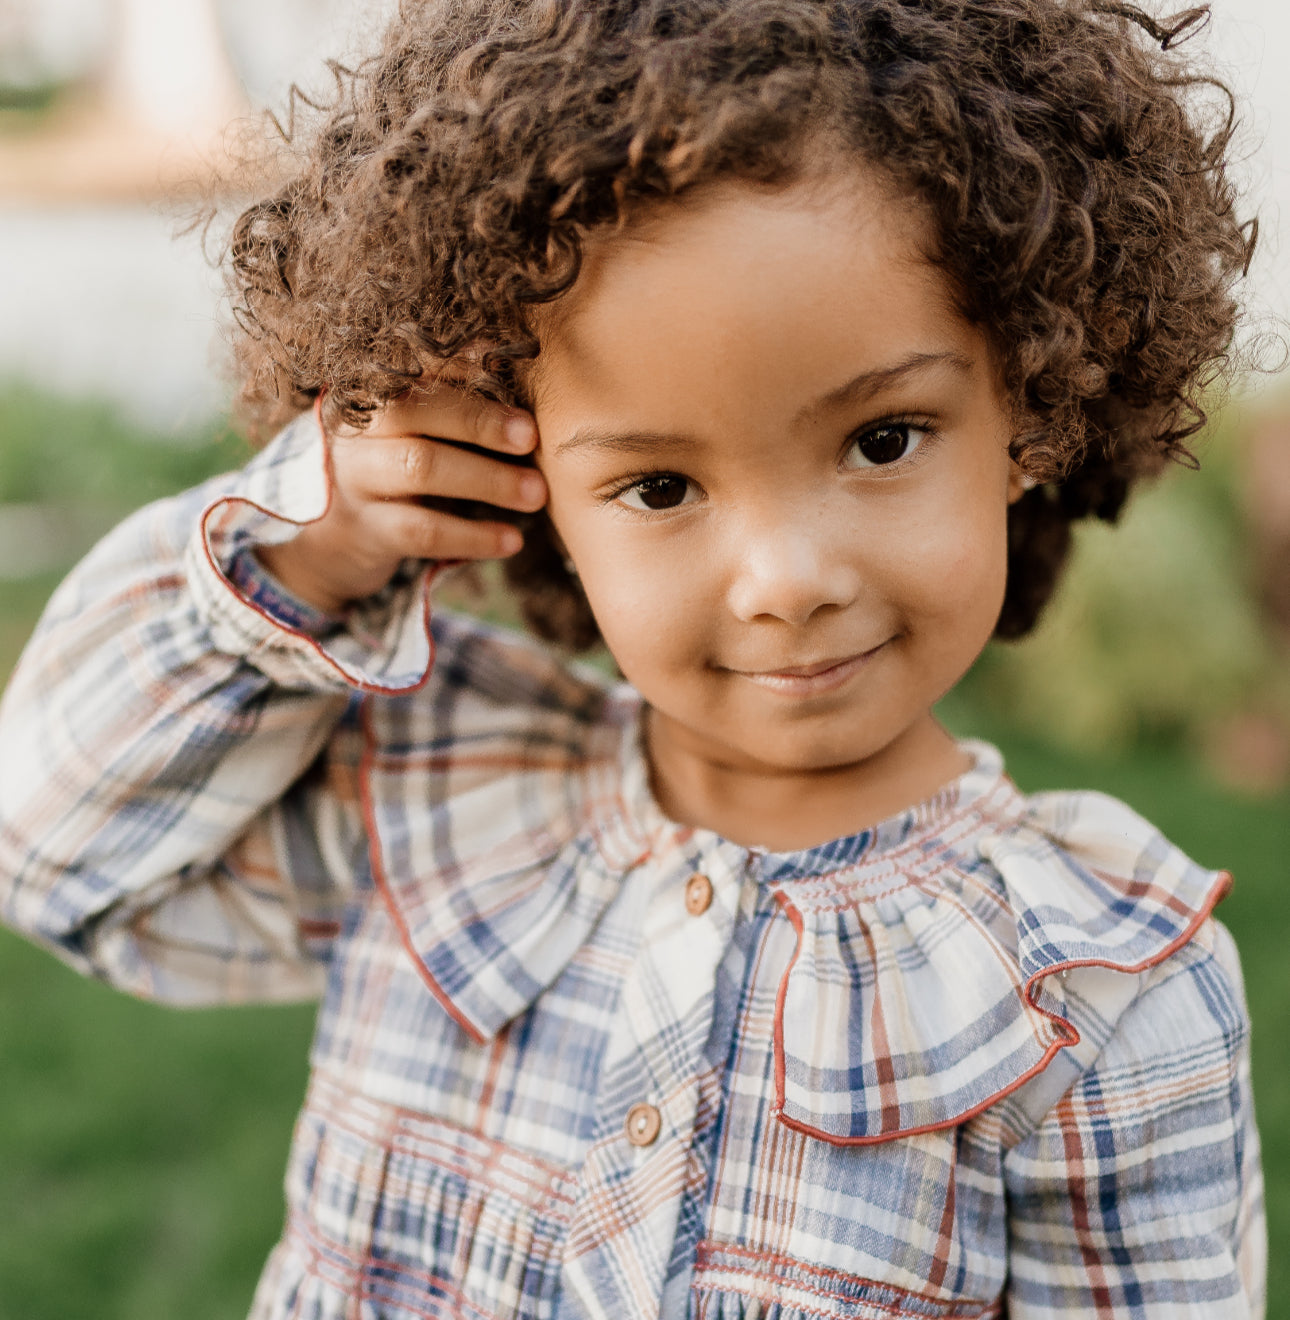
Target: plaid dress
573 1060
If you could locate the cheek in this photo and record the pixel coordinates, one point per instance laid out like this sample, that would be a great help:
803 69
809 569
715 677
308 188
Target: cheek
645 609
643 601
955 567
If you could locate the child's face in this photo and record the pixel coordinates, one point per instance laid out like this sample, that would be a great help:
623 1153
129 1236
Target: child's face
778 460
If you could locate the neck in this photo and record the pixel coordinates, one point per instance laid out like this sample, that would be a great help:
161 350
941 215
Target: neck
785 809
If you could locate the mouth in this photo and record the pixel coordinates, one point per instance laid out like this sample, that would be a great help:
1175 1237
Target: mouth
810 679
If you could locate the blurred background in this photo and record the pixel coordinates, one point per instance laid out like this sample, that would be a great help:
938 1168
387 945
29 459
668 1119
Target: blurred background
141 1149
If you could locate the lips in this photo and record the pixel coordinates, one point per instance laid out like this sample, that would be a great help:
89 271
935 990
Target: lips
803 671
810 679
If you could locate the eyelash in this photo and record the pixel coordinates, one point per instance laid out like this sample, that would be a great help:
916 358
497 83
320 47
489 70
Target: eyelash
923 425
640 479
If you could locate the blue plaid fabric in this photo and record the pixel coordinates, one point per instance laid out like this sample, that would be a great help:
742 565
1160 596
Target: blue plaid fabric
987 1058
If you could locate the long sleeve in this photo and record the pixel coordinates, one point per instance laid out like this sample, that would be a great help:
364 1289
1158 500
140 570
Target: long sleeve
1140 1193
178 812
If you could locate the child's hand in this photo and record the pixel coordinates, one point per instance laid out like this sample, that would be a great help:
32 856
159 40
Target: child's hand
388 484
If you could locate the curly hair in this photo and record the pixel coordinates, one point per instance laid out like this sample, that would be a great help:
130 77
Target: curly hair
1073 166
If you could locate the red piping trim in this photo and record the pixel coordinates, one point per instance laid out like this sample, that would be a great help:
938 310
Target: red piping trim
358 683
383 884
1222 887
795 919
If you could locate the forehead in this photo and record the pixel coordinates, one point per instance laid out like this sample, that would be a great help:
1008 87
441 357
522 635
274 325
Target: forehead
740 290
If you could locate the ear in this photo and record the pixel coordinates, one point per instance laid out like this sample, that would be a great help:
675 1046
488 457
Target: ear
1019 482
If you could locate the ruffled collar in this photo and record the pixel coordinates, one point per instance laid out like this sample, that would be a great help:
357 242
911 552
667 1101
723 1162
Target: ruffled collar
917 960
943 959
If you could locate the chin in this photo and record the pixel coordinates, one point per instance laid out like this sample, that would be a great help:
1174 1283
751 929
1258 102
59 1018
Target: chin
819 754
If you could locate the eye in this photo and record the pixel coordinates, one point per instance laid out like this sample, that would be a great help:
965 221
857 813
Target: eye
885 443
652 494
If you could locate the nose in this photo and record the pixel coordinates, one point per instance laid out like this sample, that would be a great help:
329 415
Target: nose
790 568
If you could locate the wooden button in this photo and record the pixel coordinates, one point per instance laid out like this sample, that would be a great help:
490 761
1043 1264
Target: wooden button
698 895
643 1125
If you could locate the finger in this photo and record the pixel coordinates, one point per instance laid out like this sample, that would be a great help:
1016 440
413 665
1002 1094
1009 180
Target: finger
403 468
449 413
409 531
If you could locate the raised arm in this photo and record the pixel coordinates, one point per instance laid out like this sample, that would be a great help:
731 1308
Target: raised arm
180 742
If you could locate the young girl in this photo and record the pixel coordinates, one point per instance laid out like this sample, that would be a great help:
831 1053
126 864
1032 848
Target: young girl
779 342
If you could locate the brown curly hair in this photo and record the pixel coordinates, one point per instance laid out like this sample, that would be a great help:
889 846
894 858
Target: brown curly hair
1073 167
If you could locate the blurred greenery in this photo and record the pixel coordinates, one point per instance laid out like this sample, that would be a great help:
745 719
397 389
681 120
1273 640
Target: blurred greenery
83 453
82 460
142 1149
1155 633
20 102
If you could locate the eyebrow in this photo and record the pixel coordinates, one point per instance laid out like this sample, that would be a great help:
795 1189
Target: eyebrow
857 390
868 383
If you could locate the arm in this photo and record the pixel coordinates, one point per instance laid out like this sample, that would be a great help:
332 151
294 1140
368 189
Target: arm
1140 1192
153 796
178 748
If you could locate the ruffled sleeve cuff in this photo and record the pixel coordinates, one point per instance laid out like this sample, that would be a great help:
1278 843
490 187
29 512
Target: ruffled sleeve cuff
381 644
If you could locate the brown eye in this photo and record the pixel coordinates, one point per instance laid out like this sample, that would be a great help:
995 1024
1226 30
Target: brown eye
884 444
655 493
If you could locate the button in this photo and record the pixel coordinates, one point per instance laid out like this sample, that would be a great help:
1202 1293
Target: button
698 895
643 1125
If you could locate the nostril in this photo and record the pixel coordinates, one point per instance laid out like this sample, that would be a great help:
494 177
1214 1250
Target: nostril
784 578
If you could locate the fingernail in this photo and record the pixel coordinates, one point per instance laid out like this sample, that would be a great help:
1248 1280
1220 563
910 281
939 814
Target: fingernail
520 433
511 541
532 487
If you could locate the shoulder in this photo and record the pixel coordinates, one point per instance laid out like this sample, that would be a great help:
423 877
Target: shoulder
1189 1008
508 738
1116 937
1095 883
480 666
1163 1101
501 698
490 682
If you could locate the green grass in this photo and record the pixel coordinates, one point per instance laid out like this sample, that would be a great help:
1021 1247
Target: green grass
142 1149
82 453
